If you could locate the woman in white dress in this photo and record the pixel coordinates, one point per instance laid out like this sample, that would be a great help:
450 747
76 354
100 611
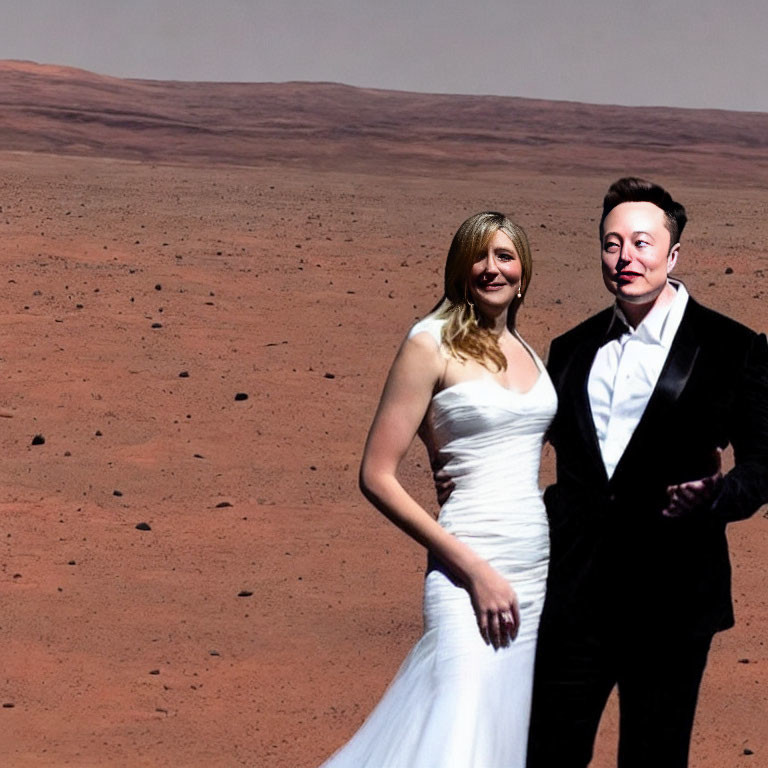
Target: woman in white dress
479 397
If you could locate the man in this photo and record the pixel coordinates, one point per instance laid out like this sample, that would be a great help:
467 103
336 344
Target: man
650 391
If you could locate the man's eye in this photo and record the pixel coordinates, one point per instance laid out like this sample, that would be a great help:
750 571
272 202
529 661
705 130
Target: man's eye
641 243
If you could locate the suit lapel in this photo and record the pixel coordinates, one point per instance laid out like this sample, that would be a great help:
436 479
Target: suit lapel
584 355
672 380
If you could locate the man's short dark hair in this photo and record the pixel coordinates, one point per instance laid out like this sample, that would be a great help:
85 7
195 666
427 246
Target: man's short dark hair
633 190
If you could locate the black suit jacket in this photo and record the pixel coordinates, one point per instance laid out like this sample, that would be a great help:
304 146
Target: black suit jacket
616 561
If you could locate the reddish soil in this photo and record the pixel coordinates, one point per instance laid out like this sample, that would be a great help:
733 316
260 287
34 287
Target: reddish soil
290 275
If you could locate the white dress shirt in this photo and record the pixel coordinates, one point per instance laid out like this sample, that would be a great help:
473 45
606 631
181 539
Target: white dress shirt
625 371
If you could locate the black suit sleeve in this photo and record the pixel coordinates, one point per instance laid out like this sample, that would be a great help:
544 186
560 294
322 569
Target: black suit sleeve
745 487
555 368
555 360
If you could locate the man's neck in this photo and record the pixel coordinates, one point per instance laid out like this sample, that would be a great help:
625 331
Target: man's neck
636 313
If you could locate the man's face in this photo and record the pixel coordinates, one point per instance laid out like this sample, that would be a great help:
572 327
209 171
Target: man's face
636 252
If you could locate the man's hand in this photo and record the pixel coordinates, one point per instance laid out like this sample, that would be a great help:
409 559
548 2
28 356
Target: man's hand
686 497
444 485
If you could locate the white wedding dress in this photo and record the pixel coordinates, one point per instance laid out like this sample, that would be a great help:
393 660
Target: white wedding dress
457 702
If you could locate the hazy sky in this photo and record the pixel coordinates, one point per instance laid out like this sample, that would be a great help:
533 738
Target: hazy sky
692 53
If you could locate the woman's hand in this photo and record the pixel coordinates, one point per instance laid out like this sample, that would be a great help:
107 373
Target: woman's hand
495 603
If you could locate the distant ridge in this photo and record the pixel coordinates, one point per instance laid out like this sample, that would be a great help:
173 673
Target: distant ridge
61 110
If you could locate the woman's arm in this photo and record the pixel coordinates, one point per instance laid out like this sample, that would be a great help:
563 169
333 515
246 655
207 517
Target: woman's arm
412 379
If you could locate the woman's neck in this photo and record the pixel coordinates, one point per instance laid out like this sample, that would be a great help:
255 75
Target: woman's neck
497 323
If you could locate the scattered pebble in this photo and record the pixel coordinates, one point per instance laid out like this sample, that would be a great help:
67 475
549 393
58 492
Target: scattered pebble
38 440
158 287
184 375
157 325
729 270
244 593
8 705
143 527
117 493
329 375
214 653
241 396
223 504
154 671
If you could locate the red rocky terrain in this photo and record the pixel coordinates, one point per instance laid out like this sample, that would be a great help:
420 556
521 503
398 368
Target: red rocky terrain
204 285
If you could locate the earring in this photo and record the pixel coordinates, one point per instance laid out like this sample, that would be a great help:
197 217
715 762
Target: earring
520 291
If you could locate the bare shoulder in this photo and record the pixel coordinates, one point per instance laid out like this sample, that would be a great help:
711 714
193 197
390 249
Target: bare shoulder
412 379
422 352
428 327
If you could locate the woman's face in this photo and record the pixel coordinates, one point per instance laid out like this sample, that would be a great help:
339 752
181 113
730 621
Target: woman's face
496 274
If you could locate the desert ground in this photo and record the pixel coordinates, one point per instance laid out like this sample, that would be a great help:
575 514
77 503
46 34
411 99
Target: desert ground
194 342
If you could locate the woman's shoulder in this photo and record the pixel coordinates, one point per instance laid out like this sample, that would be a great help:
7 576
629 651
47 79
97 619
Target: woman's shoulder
431 325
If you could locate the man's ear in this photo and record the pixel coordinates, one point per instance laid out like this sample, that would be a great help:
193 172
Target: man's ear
674 251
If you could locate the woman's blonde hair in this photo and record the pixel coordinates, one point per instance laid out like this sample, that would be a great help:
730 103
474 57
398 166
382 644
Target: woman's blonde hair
466 333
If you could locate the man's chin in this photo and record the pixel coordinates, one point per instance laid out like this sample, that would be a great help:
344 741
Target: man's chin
633 294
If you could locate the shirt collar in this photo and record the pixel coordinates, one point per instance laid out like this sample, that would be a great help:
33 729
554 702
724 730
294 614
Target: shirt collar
659 325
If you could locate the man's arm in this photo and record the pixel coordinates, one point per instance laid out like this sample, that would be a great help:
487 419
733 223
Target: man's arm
745 488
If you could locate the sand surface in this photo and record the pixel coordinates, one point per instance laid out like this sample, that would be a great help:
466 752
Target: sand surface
265 610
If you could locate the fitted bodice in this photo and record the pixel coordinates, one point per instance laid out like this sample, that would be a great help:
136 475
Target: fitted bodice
488 439
478 428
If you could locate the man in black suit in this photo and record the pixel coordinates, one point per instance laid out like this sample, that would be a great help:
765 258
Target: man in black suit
650 391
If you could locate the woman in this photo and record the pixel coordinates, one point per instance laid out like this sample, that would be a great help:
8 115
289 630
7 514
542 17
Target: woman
481 400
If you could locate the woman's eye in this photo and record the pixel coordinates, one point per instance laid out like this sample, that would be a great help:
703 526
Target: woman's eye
610 247
505 256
